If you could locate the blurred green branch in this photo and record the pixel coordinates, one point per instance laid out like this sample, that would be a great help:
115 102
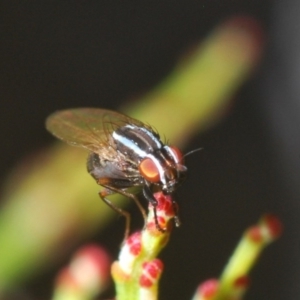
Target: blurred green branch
56 203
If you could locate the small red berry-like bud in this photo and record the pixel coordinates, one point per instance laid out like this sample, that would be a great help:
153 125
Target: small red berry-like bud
207 290
96 256
88 271
268 229
273 224
151 273
255 234
129 251
242 282
134 243
165 212
164 204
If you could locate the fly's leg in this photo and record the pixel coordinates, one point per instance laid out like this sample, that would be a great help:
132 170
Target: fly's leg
176 218
118 187
136 201
103 195
149 196
131 196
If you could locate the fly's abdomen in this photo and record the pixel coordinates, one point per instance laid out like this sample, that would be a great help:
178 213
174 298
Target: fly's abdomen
110 170
100 168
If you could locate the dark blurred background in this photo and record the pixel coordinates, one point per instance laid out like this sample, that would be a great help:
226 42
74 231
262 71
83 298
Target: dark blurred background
60 54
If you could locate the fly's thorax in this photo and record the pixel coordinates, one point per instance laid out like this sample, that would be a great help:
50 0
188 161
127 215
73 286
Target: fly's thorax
136 142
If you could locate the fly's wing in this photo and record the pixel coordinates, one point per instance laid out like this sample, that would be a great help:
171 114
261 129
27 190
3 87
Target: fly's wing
88 128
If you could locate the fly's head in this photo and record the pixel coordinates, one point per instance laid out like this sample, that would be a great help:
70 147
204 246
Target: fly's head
164 168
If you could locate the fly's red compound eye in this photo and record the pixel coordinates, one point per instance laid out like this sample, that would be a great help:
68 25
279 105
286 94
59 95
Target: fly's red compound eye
149 170
177 154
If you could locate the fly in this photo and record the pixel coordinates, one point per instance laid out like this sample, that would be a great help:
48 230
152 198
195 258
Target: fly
124 153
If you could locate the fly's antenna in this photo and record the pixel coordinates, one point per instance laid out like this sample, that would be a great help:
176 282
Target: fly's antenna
192 151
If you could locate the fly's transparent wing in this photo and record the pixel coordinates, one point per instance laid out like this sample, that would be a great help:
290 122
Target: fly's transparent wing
89 128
